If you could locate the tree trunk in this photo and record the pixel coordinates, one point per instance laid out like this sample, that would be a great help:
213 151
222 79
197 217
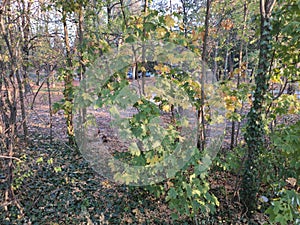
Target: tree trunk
49 73
234 129
215 66
68 86
8 95
200 114
144 49
225 75
185 17
25 54
255 133
22 103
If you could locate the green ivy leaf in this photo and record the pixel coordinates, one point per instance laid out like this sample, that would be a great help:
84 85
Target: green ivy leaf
172 194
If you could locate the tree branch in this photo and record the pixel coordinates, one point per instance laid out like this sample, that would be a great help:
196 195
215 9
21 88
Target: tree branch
10 157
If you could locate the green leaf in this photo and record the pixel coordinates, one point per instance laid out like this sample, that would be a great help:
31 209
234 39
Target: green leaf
196 192
174 216
149 26
130 39
134 149
39 160
188 190
57 169
50 161
172 194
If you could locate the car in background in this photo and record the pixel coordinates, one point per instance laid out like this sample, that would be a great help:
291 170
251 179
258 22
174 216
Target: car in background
148 74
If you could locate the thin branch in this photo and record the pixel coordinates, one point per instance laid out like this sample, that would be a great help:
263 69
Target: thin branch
269 7
10 157
50 75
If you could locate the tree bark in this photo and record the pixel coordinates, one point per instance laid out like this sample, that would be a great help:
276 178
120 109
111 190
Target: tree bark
200 116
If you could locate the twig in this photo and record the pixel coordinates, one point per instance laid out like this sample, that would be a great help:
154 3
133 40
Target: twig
10 157
37 92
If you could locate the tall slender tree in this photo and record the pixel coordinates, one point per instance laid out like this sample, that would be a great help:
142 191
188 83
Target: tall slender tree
10 87
201 113
255 131
68 79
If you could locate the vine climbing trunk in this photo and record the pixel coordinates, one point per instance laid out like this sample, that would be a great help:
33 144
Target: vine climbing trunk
82 67
68 84
255 133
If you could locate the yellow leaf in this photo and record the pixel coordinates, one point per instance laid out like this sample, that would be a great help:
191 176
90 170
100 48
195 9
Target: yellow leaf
162 68
170 22
181 139
293 110
158 67
173 35
196 192
230 107
139 23
229 102
106 184
181 27
153 160
5 58
244 66
139 26
110 87
139 20
237 71
165 69
276 79
143 69
160 32
166 108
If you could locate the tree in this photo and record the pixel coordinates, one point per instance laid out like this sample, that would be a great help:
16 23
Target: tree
10 88
201 116
255 131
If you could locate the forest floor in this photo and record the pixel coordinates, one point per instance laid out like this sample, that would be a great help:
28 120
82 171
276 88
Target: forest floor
56 185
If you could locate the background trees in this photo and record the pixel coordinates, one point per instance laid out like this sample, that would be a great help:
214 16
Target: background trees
252 49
